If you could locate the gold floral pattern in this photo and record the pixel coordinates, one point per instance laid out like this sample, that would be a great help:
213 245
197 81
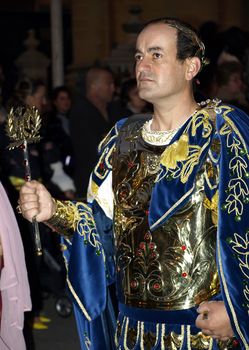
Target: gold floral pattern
241 246
178 151
180 158
86 226
237 187
76 217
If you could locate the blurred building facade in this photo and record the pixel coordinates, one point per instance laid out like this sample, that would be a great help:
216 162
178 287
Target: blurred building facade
97 25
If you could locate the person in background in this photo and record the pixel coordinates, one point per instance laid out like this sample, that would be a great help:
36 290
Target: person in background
57 126
90 120
45 156
229 84
46 167
131 101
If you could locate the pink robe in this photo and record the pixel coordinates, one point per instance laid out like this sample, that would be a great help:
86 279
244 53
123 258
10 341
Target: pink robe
14 285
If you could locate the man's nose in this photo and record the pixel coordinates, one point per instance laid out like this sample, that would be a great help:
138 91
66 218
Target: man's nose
143 65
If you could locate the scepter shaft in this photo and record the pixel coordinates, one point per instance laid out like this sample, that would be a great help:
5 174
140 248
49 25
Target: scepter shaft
23 125
35 226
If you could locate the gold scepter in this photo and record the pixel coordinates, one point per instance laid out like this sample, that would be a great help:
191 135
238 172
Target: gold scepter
23 125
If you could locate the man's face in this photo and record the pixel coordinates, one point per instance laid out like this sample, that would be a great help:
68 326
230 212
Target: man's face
105 86
159 73
63 102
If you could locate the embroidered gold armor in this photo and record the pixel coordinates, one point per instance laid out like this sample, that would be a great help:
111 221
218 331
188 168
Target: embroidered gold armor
174 266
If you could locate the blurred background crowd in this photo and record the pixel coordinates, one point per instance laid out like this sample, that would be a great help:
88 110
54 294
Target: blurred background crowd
75 117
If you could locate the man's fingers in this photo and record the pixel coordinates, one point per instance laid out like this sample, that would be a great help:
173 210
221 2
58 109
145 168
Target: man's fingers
224 338
211 333
29 187
30 214
30 197
207 331
215 336
203 307
202 322
30 207
35 201
27 206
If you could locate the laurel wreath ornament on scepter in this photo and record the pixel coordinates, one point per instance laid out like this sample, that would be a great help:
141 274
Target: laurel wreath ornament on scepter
22 127
23 124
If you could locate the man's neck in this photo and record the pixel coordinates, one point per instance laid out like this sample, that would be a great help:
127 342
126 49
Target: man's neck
171 114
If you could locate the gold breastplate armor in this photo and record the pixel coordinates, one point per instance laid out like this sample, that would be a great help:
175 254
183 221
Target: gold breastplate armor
174 266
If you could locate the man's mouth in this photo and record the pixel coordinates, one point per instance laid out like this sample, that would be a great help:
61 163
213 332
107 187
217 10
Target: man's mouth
141 80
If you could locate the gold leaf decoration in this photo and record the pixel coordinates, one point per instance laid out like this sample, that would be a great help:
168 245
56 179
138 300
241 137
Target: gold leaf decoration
176 152
23 124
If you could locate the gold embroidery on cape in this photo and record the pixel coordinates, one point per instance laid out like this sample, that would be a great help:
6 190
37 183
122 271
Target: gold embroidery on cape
81 306
105 158
238 188
108 138
241 246
106 154
180 157
69 211
86 227
235 320
64 220
87 343
173 207
71 217
178 151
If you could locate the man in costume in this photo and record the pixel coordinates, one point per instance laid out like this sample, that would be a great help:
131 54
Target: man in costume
170 192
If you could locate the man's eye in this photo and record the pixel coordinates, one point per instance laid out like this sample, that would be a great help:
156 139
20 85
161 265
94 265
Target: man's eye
157 55
138 57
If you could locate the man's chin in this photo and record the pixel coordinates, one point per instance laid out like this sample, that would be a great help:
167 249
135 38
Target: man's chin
145 95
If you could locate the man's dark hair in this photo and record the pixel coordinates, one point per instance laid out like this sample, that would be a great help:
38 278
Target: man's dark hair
188 42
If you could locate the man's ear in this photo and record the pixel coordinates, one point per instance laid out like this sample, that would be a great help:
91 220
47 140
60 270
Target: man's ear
193 67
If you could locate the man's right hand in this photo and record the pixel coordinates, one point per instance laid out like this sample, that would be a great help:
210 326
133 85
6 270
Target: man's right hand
36 201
